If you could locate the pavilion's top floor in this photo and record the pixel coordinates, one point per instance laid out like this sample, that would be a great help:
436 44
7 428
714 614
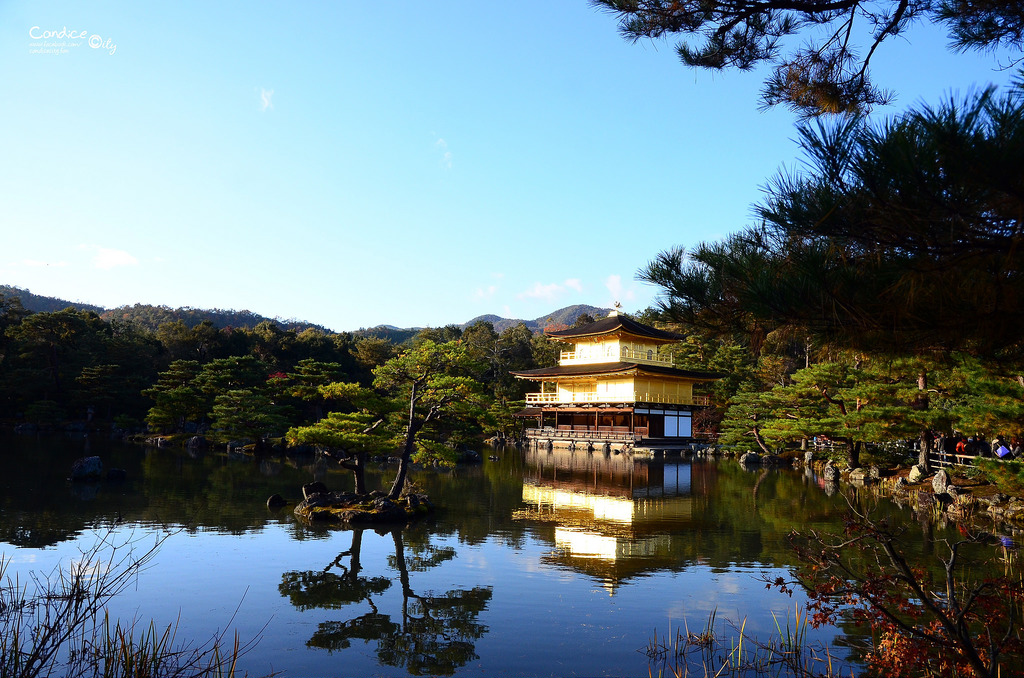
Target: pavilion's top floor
616 338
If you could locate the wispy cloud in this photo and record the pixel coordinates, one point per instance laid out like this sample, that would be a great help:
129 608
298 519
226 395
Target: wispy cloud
541 291
35 263
485 292
107 258
551 291
618 291
266 99
446 155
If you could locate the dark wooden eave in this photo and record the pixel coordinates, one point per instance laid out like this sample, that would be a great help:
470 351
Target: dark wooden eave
612 325
596 369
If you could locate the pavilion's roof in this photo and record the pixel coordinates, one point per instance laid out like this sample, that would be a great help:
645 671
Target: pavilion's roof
613 324
594 369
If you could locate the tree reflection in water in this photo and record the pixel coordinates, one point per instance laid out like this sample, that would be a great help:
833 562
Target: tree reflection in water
431 634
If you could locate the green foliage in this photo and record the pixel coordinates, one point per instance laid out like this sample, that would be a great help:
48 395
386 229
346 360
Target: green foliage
827 69
177 398
237 372
499 417
897 238
443 402
1008 476
369 352
353 433
349 432
244 413
45 413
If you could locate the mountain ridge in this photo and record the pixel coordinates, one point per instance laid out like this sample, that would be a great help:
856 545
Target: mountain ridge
152 316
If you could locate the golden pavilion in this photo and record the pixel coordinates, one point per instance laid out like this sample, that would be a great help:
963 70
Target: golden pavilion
615 387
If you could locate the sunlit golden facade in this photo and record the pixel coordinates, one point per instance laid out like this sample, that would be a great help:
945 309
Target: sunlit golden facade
617 383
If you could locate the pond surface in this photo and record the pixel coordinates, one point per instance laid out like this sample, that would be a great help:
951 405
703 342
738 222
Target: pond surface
537 564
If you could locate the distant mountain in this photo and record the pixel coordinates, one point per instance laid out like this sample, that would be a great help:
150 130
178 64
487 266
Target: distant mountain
563 316
396 335
153 316
37 303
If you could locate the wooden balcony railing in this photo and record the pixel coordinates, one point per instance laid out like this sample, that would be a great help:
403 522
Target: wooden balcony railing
594 397
625 354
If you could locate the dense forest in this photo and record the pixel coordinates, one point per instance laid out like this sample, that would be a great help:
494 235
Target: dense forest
75 366
160 371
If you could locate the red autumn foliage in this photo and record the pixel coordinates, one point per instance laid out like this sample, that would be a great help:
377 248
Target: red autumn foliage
944 621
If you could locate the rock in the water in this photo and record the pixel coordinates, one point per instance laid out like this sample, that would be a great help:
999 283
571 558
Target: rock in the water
86 468
941 481
858 475
197 443
750 459
808 457
874 472
916 474
314 488
276 501
830 473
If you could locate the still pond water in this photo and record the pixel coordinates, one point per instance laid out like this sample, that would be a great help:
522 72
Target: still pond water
538 563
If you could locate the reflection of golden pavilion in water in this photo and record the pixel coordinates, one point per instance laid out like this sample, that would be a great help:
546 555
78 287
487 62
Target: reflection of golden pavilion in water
616 388
612 516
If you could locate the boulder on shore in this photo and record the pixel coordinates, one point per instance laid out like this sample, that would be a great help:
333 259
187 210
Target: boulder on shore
750 459
859 476
86 468
314 488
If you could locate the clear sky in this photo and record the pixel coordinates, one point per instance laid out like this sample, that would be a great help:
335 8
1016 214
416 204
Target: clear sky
359 163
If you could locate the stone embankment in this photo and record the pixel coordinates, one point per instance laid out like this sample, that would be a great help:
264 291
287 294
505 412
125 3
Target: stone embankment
956 496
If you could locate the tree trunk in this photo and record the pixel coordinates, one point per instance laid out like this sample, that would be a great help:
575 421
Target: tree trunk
925 449
852 453
926 434
403 466
359 472
410 443
760 441
407 451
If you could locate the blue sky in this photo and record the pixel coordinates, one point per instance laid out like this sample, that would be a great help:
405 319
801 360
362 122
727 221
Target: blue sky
353 164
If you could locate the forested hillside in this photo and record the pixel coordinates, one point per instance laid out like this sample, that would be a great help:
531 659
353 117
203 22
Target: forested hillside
37 302
152 317
231 374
